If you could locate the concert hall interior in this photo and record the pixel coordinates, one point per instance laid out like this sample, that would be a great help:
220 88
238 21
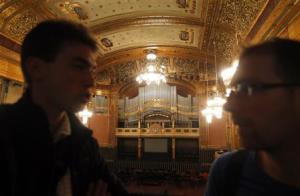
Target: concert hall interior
162 73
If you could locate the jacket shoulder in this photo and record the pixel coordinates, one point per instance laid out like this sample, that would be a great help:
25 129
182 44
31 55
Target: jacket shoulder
6 110
226 172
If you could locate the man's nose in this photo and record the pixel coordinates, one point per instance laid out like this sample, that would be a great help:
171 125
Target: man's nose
231 103
89 80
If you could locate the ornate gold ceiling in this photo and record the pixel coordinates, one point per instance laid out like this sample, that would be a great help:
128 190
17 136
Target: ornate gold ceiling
186 33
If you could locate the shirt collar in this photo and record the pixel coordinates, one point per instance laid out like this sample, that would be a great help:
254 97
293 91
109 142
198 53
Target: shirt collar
63 129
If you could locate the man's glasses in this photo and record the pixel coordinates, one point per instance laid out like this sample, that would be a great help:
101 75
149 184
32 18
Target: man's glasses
249 89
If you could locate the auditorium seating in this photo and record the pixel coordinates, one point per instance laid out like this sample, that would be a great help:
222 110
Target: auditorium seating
181 173
155 173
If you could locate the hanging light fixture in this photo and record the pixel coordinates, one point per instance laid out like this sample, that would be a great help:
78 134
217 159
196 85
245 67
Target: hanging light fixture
215 104
84 115
153 73
151 56
208 113
227 75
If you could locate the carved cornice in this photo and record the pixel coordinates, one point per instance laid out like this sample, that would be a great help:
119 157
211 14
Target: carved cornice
282 14
192 70
18 26
8 55
261 20
9 65
203 22
18 18
160 19
284 21
136 53
9 44
237 15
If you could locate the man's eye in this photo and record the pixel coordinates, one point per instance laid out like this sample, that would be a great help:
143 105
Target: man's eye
241 87
80 66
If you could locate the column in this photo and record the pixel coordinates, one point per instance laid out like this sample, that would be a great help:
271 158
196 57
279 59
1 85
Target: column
232 136
203 125
113 116
173 149
4 83
139 148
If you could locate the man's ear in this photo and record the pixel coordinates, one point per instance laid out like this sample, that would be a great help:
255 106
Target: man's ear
36 69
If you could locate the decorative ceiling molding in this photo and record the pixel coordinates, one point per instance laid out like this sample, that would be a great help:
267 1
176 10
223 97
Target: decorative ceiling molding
239 15
161 19
190 70
9 44
262 18
9 64
281 14
150 36
19 18
291 12
15 31
102 10
10 55
188 32
137 53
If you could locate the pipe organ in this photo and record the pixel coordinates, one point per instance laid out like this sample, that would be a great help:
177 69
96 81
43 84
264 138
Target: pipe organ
152 123
100 104
158 106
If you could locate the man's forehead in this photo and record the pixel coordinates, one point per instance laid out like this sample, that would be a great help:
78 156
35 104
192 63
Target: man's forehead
257 61
81 52
256 68
85 59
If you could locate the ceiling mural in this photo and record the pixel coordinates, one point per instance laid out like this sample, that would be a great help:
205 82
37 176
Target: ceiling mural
103 77
94 11
190 36
16 31
149 36
240 14
235 18
194 19
126 70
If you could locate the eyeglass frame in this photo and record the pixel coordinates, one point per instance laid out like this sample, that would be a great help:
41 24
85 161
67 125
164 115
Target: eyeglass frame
237 89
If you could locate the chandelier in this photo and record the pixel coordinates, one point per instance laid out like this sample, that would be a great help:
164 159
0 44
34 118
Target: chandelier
227 75
214 108
215 103
154 73
84 115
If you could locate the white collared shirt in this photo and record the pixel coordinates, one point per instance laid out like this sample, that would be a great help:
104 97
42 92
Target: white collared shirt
64 185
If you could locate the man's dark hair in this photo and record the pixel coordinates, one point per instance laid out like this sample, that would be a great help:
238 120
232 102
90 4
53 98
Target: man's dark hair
286 53
47 39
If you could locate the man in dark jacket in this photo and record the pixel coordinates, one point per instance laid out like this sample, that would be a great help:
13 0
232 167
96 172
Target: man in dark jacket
44 149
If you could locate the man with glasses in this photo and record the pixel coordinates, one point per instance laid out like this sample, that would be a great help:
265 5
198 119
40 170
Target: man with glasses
265 106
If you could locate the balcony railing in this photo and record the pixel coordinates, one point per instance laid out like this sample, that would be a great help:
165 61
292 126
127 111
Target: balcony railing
159 132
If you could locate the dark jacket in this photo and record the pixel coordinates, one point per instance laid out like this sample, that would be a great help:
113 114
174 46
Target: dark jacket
30 162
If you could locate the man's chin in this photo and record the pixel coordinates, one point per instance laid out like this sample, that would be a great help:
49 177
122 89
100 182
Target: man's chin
247 137
80 107
75 109
250 143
